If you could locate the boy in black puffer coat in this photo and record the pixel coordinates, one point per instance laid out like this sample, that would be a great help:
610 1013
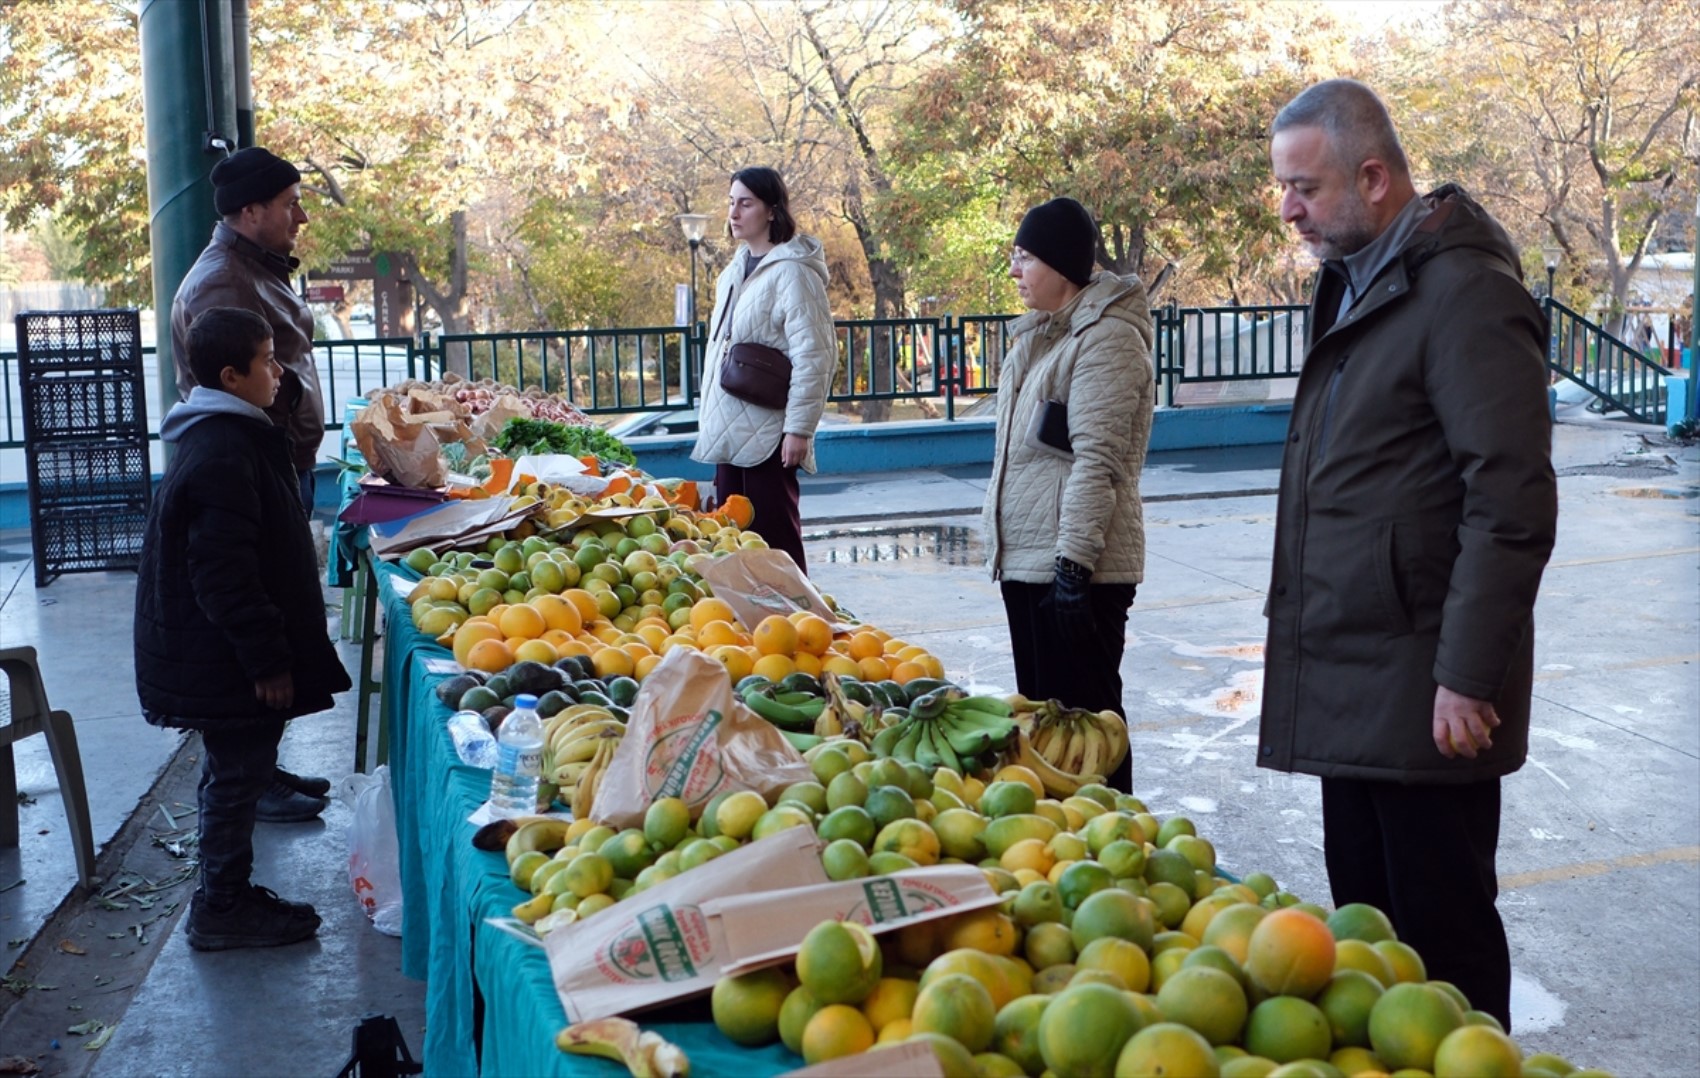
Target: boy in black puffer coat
230 623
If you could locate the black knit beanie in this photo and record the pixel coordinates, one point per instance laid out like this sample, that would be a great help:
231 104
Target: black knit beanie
250 175
1061 234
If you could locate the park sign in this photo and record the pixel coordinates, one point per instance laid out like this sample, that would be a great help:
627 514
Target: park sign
385 271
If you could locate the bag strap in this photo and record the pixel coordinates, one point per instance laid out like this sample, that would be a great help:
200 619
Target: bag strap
725 323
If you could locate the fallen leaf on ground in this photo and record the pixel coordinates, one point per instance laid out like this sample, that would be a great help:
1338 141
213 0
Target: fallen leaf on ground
70 948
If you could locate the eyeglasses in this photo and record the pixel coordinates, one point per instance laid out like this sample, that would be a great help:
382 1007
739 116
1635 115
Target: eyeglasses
1020 259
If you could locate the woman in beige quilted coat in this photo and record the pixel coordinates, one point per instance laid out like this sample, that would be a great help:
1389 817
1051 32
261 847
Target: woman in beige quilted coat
774 293
1064 531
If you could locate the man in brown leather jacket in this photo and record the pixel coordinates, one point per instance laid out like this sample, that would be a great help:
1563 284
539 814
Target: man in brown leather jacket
248 265
1417 510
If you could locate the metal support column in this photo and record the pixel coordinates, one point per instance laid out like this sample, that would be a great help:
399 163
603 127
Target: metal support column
190 113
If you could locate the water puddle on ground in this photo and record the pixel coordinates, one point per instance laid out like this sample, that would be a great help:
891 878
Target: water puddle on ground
1533 1008
1248 652
941 543
1668 493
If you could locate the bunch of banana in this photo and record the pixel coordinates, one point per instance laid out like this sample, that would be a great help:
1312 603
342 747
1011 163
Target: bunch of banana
798 711
853 717
572 740
1074 741
532 834
646 1054
584 790
1057 782
949 728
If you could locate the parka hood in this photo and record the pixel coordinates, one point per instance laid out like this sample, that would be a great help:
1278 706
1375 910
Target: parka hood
1105 296
802 249
204 402
1458 221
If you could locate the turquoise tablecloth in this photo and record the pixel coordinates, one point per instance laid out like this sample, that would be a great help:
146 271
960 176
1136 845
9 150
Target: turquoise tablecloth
449 888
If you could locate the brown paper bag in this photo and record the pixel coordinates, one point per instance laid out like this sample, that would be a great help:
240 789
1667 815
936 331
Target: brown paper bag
763 581
396 448
657 946
908 1059
759 933
505 407
689 737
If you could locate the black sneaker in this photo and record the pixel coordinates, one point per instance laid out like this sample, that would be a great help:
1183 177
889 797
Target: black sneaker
282 804
256 918
311 785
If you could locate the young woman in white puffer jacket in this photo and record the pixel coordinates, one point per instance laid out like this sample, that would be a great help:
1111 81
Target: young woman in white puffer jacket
773 293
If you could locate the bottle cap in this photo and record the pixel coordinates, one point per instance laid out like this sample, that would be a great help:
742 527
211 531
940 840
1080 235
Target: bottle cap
525 699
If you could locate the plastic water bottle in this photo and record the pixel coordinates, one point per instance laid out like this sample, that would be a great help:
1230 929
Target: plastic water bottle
474 743
519 760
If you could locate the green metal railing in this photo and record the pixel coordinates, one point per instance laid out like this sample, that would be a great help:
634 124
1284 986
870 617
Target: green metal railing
1618 375
950 359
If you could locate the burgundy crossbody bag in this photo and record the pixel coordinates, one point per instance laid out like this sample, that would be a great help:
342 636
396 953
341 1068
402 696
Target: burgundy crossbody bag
754 373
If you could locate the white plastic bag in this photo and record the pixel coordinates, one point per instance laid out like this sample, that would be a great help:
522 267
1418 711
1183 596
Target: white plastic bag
374 853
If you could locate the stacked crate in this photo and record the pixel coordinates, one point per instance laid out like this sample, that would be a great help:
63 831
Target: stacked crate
85 439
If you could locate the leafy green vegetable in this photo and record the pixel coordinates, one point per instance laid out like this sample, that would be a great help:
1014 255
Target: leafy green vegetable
520 436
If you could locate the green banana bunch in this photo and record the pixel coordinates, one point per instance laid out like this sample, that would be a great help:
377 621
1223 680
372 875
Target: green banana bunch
976 725
885 742
788 710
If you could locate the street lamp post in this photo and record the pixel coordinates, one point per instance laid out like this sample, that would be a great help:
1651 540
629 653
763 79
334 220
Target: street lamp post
693 225
1551 253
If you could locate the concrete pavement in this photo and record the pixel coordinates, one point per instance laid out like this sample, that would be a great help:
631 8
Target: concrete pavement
1600 848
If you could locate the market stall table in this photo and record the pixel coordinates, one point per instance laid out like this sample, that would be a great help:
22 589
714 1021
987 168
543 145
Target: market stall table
491 1006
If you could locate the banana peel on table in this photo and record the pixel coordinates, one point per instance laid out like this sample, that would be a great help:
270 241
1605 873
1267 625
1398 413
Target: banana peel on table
645 1054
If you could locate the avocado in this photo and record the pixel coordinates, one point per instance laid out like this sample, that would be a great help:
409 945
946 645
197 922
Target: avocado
499 685
577 667
590 684
494 716
622 690
750 681
450 690
595 698
921 686
801 682
552 703
857 691
533 677
619 712
477 698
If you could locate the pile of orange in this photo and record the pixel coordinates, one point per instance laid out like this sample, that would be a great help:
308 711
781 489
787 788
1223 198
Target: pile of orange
578 622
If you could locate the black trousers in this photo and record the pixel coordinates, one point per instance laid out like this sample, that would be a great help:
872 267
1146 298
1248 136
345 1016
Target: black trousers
1046 669
308 487
237 765
1424 855
772 489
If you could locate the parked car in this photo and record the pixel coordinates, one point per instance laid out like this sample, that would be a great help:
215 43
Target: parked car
645 424
677 421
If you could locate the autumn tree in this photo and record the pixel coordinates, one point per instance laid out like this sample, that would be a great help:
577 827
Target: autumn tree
71 135
1575 121
1154 115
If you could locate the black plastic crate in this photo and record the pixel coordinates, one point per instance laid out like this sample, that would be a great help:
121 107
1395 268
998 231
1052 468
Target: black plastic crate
75 403
85 439
80 339
89 539
84 472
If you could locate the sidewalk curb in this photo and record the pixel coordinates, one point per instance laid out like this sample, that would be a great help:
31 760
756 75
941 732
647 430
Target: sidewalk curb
964 511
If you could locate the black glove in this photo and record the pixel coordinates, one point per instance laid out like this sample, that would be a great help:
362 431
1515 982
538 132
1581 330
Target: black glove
1070 607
